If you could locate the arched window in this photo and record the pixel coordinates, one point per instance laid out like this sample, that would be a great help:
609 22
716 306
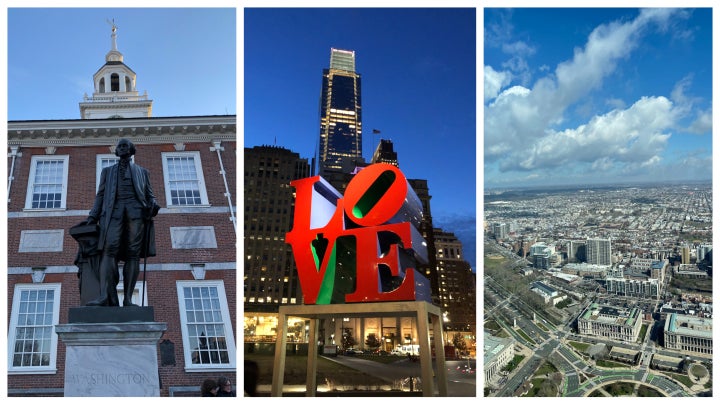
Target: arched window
114 82
101 86
128 84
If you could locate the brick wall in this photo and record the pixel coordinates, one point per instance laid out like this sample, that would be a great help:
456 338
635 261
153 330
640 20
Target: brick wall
162 290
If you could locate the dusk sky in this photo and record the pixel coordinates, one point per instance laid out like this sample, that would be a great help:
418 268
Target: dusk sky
54 52
587 96
418 69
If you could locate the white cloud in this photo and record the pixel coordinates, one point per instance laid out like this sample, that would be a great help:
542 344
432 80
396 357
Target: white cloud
637 134
703 123
521 122
494 82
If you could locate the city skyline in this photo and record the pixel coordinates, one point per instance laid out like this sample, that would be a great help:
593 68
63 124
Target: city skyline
418 89
575 96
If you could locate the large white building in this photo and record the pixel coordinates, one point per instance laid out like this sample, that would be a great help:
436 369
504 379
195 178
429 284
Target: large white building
610 322
688 333
497 353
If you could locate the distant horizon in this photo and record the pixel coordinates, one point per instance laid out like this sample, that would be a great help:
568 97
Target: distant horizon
594 185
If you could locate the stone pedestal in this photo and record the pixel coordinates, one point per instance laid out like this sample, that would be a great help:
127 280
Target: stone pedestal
111 359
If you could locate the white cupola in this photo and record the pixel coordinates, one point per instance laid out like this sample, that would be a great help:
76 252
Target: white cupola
115 95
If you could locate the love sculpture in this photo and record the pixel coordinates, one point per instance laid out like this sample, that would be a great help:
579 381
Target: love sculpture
362 247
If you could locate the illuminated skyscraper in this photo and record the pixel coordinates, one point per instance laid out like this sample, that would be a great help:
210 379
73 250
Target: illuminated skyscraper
340 114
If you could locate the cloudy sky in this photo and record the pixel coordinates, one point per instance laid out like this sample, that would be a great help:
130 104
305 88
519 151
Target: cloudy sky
589 96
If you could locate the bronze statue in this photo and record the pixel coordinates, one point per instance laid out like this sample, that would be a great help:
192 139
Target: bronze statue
124 208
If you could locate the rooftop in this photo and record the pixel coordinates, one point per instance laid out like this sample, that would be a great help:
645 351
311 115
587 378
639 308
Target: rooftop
611 314
493 345
689 325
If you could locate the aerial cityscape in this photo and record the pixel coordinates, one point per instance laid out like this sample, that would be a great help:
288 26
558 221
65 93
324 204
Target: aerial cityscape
597 222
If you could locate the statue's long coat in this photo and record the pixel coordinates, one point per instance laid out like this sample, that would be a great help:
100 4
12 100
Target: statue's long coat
105 199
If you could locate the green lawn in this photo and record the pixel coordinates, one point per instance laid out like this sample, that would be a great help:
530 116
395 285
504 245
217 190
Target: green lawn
492 325
619 389
643 329
513 363
645 391
698 371
610 364
683 378
596 393
579 345
546 368
525 336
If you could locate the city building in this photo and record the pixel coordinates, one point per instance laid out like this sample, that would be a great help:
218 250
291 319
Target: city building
270 279
576 251
500 231
702 251
340 114
690 271
549 294
658 269
542 255
648 288
54 169
685 254
497 353
610 322
586 270
385 153
457 284
688 333
598 251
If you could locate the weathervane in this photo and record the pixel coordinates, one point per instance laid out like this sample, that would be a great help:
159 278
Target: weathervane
112 24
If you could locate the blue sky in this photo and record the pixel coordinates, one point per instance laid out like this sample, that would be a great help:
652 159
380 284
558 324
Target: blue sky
586 96
418 70
184 58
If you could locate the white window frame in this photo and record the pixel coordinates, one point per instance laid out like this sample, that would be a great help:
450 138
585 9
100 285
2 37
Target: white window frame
31 181
225 312
52 367
198 170
99 167
137 293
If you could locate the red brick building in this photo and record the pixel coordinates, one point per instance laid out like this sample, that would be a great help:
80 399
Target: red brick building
54 168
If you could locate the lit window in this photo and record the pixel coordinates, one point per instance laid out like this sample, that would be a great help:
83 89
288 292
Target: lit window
184 184
206 330
47 185
32 339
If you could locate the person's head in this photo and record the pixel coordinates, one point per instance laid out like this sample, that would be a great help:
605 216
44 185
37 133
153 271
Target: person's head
224 384
124 149
209 387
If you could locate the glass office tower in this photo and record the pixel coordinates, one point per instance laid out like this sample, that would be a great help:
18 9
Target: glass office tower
340 113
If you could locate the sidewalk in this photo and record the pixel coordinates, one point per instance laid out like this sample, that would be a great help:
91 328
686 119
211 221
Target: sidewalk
459 384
